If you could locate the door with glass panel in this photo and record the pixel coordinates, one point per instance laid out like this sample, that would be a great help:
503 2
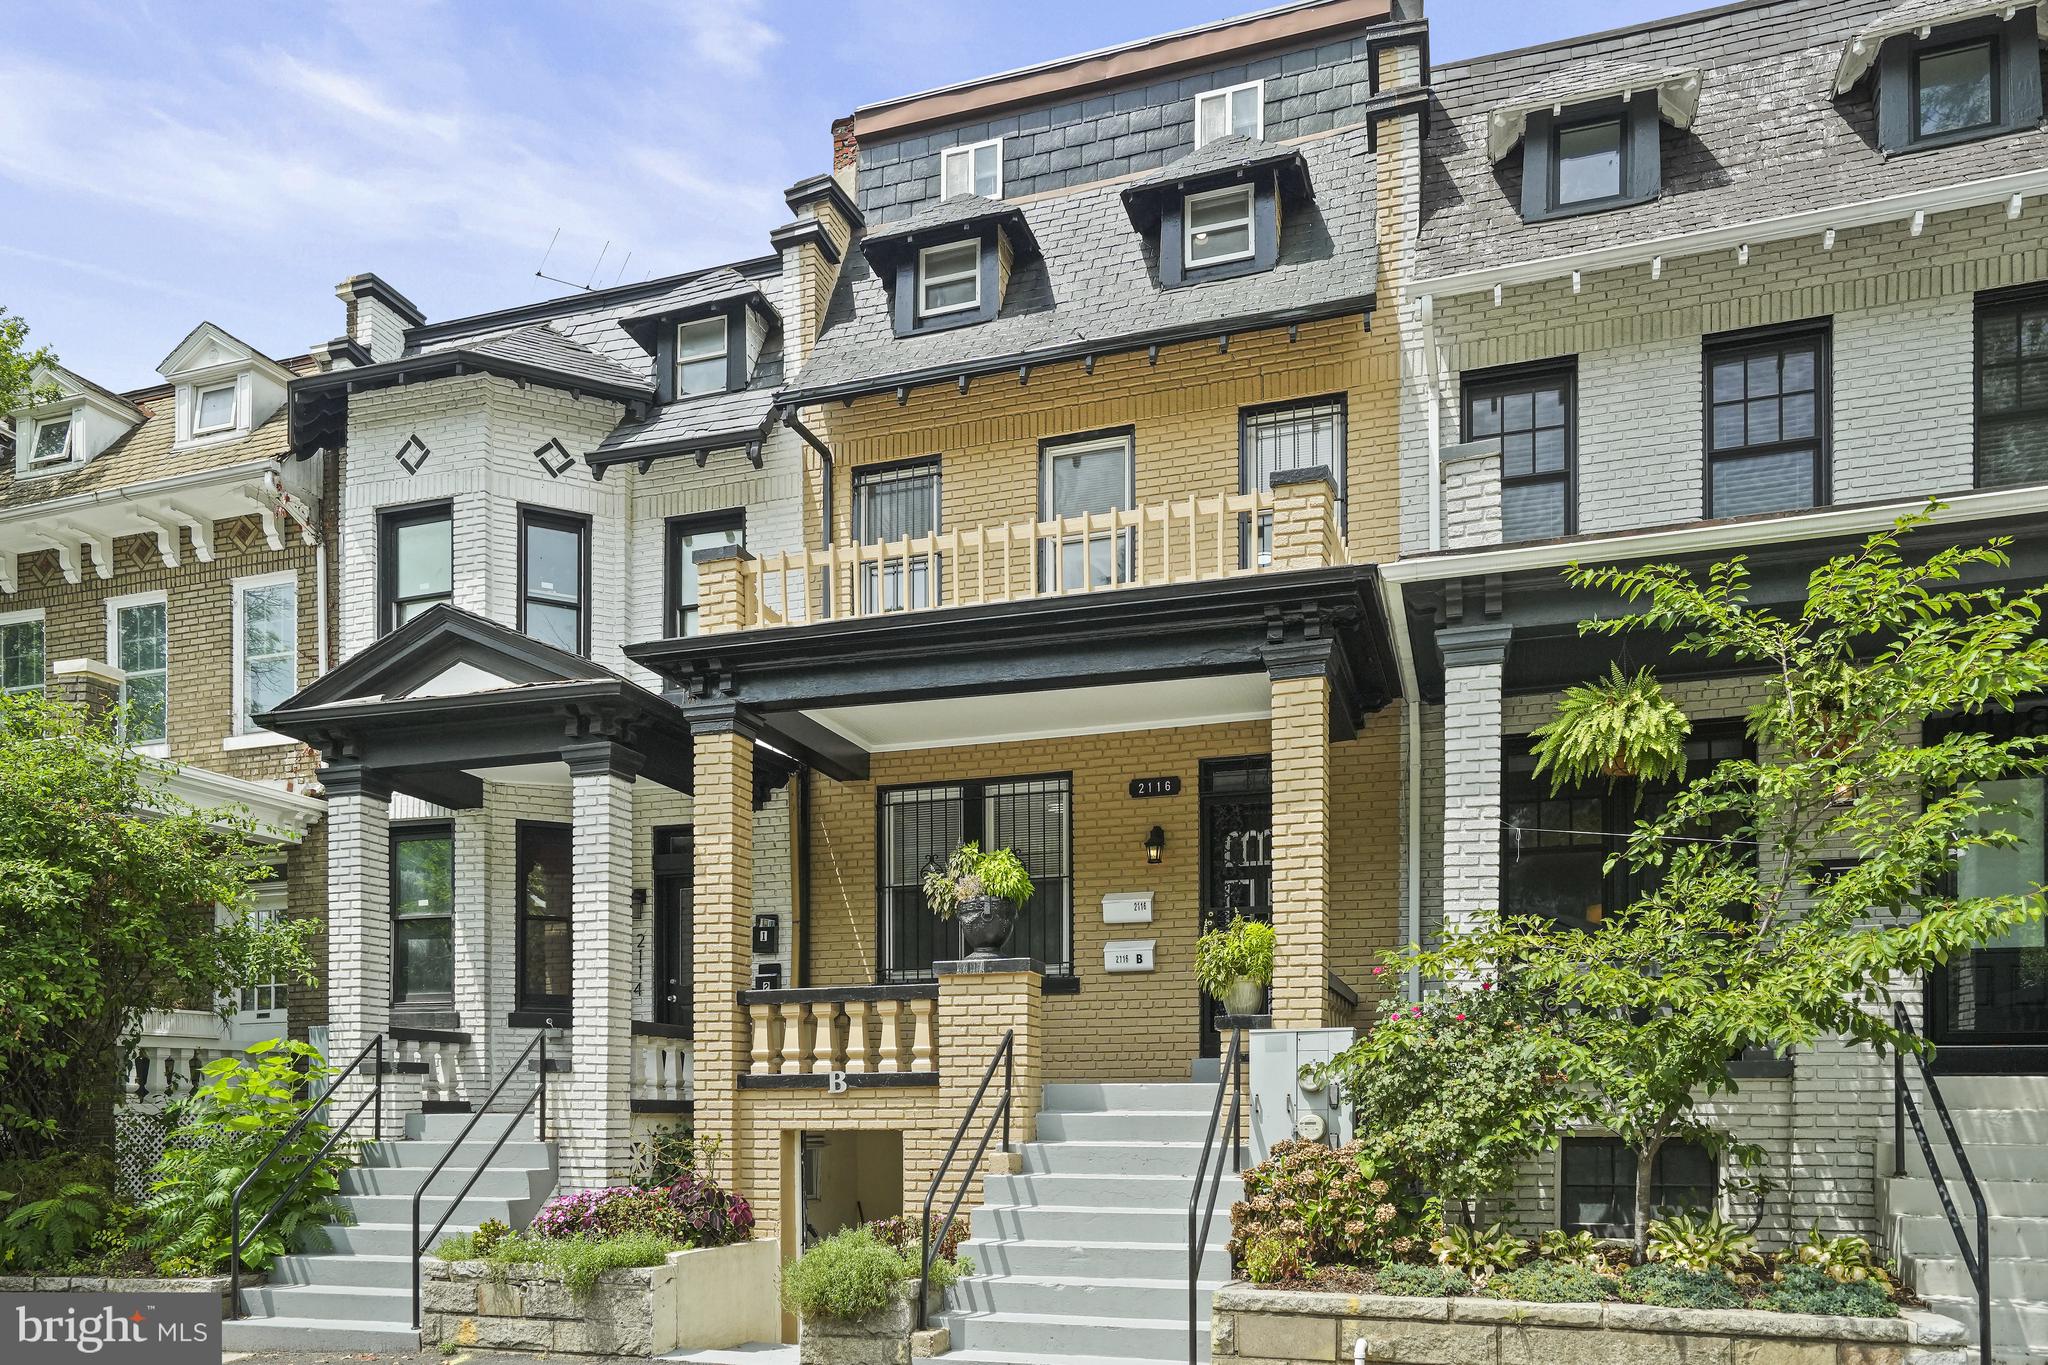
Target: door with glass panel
1278 438
1237 857
673 1002
892 503
1087 476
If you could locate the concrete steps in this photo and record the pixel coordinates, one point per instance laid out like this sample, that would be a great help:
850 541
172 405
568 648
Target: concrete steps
350 1288
1081 1257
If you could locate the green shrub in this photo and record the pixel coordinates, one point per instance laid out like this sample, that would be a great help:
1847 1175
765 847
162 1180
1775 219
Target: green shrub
1572 1248
1420 1281
1809 1289
457 1246
59 1213
901 1233
1668 1286
223 1131
1688 1242
1240 951
850 1275
1843 1259
580 1260
1479 1252
488 1235
1270 1258
1551 1282
1334 1202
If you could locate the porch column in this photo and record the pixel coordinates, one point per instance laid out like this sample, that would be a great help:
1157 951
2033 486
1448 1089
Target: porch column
1301 834
722 809
594 1126
358 927
1474 659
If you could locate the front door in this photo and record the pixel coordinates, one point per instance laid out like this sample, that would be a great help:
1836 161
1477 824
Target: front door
1989 1010
672 872
1237 855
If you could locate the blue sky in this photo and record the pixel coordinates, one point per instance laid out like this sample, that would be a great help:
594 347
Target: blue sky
164 162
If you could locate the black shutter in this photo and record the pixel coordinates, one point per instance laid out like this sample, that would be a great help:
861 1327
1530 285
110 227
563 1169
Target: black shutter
1172 271
665 364
1536 153
1894 95
906 295
1644 135
2019 103
736 348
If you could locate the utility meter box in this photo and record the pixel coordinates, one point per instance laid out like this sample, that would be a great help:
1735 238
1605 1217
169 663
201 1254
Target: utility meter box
1283 1105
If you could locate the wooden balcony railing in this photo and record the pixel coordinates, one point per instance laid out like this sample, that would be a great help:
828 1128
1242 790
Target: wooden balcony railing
1193 539
804 1037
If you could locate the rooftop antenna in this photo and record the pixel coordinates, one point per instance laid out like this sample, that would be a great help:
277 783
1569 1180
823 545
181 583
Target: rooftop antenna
594 265
622 269
542 272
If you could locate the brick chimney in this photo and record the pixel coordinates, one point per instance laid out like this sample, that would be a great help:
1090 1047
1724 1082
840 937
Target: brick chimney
92 686
378 316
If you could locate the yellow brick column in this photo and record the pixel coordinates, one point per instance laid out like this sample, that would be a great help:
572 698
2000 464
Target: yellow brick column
1305 518
1301 834
722 810
979 1001
721 588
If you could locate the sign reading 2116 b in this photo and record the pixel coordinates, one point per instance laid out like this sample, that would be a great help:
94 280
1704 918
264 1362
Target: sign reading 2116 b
161 1329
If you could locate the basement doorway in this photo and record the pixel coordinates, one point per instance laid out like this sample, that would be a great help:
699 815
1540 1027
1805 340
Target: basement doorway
849 1177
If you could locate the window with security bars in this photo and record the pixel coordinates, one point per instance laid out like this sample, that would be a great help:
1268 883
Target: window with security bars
1767 420
1598 1193
892 503
1530 412
2012 389
920 828
1286 437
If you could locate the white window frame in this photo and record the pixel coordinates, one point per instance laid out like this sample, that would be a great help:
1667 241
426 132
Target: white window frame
951 155
159 748
33 616
723 354
1187 227
199 392
241 588
269 902
925 281
63 456
1121 565
1230 94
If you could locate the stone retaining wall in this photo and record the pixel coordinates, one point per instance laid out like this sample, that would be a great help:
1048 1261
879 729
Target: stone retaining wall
1277 1327
115 1284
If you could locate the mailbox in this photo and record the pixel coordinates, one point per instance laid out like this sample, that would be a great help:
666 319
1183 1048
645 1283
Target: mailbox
767 935
1127 907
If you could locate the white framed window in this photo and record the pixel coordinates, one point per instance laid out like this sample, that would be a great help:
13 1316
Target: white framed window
949 278
701 356
139 644
1216 226
213 409
1239 109
264 999
21 652
1082 478
266 622
51 443
973 169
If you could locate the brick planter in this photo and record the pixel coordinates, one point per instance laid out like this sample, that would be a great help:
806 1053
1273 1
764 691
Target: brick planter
216 1285
1278 1327
882 1338
712 1297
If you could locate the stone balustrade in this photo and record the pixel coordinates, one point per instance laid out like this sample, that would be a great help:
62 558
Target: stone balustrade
807 1036
434 1056
662 1065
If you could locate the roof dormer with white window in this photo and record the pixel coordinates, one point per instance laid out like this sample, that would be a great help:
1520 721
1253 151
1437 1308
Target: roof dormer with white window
224 388
67 430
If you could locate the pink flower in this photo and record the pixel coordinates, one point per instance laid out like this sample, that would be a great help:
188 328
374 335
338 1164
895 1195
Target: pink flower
1416 1010
1486 985
1379 971
1461 1018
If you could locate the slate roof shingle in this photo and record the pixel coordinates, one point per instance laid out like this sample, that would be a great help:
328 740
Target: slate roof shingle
541 346
1861 50
710 422
1770 138
1096 282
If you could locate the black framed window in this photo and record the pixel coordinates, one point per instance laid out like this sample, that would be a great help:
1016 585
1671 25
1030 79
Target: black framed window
1531 412
416 549
686 536
554 578
920 826
1959 82
896 502
423 914
545 889
1586 164
1276 438
1955 89
2012 388
1767 422
1600 154
1555 848
1598 1184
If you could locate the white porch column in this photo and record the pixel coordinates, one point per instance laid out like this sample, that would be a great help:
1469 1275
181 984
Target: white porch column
358 927
594 1126
480 1004
1474 659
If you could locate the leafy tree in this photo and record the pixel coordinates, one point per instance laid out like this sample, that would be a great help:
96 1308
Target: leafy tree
18 364
1786 893
108 889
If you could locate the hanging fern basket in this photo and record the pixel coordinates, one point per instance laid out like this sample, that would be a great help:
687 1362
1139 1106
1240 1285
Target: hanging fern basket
1622 726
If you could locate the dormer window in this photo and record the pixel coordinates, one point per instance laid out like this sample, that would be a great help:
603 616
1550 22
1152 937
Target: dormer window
213 410
1218 225
701 363
1955 89
975 169
1587 164
1592 140
1939 82
949 278
1240 109
52 444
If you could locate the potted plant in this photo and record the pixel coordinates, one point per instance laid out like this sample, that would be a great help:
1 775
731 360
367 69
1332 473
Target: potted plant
1620 726
1235 963
984 889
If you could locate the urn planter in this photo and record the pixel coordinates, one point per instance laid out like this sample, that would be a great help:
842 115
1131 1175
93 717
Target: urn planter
985 924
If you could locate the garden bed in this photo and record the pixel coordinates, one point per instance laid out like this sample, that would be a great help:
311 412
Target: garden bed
1257 1326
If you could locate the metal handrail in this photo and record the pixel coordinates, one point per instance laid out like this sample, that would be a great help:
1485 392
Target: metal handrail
1977 1262
1231 1079
1006 1053
540 1093
237 1244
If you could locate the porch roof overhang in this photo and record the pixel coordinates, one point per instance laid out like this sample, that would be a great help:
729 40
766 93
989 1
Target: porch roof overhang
804 681
280 816
1524 587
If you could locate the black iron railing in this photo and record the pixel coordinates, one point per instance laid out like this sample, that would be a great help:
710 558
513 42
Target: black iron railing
540 1095
1976 1261
1202 1201
928 1248
237 1243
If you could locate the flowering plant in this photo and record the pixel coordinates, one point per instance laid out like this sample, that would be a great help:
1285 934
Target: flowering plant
690 1211
1332 1206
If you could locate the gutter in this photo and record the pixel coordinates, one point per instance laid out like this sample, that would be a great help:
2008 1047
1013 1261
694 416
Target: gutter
1411 814
810 438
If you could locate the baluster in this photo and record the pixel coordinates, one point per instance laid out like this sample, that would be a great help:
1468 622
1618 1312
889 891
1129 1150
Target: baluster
856 1036
891 1012
824 1047
761 1015
921 1034
686 1071
131 1077
792 1040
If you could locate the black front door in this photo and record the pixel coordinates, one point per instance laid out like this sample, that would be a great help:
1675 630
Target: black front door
1237 855
672 872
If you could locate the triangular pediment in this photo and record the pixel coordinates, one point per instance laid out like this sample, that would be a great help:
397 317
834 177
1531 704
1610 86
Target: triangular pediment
446 652
209 348
461 679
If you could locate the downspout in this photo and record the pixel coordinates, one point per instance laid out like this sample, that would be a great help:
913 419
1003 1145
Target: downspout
1411 814
795 424
801 856
274 483
1433 420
